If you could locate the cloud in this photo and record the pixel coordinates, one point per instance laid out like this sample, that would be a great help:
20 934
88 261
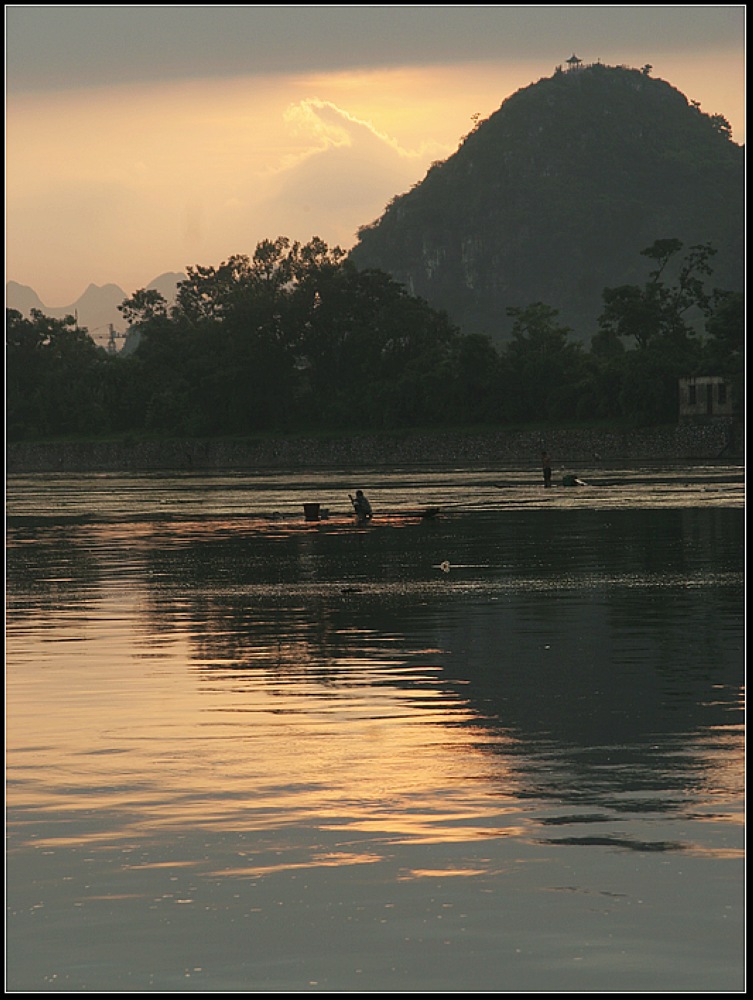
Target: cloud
343 176
63 47
333 126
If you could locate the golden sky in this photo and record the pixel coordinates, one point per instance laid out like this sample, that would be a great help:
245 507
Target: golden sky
122 181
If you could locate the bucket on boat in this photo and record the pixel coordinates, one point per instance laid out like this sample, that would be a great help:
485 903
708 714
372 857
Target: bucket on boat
311 511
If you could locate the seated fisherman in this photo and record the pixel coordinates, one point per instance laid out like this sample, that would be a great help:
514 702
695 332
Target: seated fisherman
361 506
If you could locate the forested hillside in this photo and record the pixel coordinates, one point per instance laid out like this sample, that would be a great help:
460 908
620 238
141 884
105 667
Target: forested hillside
553 198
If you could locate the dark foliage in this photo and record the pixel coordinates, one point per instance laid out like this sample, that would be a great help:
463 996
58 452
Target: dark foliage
296 338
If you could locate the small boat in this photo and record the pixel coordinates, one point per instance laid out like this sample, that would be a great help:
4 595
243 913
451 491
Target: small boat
313 512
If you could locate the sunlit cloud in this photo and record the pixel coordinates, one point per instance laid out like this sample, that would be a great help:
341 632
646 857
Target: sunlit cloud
333 126
342 175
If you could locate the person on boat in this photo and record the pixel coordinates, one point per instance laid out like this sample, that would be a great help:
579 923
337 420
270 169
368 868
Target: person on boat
546 464
361 506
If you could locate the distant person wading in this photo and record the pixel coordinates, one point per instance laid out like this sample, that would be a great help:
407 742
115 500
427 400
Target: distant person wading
546 464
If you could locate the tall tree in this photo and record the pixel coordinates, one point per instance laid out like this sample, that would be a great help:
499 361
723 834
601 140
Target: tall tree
658 309
543 368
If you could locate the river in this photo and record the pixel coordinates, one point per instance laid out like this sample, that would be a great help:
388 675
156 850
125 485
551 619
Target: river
499 749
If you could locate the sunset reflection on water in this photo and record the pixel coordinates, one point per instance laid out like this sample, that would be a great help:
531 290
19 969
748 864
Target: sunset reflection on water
341 747
214 726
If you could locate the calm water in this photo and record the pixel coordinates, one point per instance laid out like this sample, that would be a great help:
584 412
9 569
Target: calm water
498 750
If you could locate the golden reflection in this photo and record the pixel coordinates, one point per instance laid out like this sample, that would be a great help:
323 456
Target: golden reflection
417 873
329 861
718 853
436 829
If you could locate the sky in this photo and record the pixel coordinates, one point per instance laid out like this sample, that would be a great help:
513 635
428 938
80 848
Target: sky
146 139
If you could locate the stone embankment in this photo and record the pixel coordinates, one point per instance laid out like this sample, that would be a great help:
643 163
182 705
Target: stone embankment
684 442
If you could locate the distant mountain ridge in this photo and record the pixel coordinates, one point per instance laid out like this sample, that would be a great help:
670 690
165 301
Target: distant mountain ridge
555 195
96 309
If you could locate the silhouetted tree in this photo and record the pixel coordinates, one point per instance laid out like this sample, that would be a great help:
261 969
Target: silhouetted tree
55 382
143 306
658 309
295 337
543 369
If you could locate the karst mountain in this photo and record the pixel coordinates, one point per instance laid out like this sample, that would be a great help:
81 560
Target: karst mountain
554 196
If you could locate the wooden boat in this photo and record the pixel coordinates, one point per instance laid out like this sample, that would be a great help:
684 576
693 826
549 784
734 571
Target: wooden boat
314 512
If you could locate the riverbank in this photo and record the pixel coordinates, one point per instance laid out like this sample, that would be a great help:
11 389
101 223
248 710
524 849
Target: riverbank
692 442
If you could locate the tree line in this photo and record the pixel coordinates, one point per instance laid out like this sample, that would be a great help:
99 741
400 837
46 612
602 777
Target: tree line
296 338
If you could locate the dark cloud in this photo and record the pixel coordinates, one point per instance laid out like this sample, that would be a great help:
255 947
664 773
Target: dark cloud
78 46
